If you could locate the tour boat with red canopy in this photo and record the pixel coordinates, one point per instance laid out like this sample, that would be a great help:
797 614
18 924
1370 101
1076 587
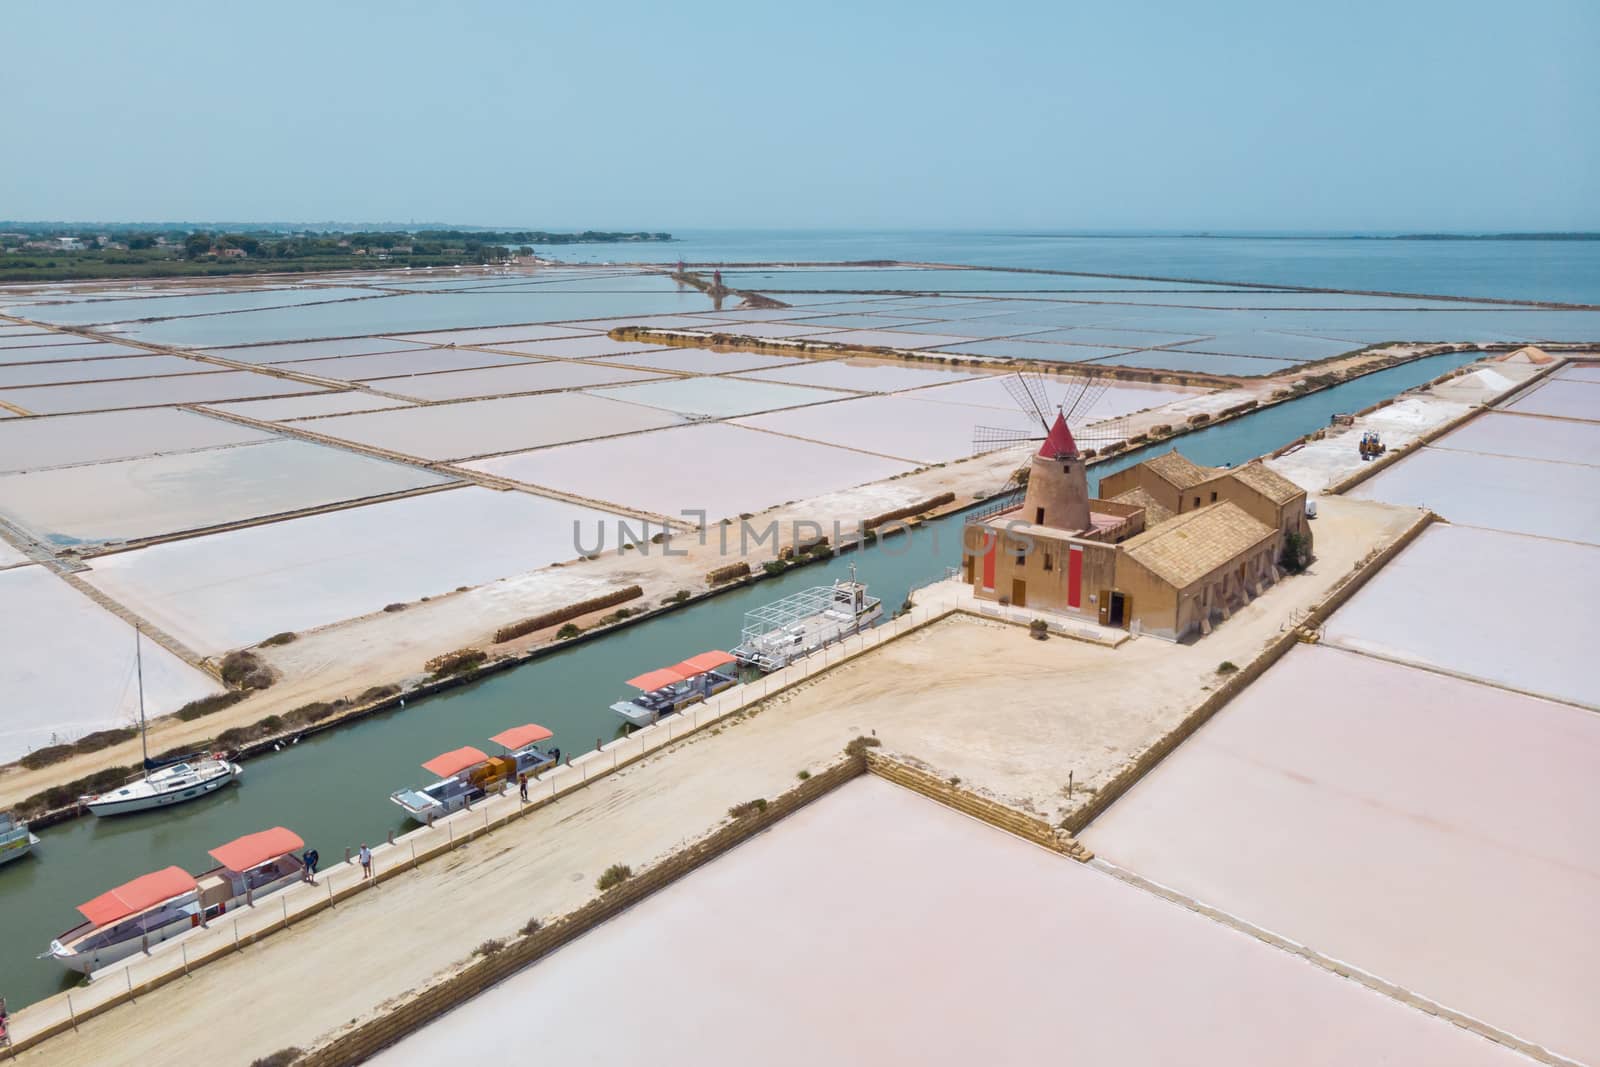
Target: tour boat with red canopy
669 689
163 904
467 773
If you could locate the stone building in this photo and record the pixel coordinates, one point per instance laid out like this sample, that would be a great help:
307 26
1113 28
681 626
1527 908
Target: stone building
1169 547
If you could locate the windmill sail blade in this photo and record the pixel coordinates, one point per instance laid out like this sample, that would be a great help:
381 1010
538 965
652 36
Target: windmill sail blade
995 438
1083 393
1028 390
1098 435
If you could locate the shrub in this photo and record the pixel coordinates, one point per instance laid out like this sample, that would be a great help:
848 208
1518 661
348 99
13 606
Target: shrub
1200 419
1227 666
271 724
571 611
749 807
531 927
392 608
802 774
617 616
859 746
457 662
568 631
775 566
281 1058
238 667
104 739
1293 557
209 705
377 692
1038 629
313 712
489 947
613 876
238 735
280 639
261 678
61 795
679 597
727 573
43 757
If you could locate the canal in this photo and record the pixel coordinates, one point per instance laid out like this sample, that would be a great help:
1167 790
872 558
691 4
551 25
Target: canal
333 789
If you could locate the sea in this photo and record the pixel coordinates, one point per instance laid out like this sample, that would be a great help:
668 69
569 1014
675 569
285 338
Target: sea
1547 270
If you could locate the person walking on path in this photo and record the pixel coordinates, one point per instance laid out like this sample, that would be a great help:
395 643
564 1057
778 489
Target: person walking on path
522 786
366 862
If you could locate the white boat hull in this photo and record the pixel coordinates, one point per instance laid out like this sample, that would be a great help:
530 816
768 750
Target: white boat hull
15 850
132 799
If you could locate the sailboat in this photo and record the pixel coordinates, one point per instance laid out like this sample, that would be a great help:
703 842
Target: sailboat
165 783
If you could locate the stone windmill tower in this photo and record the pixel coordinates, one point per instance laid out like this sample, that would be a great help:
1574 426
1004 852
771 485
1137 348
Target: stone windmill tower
1054 483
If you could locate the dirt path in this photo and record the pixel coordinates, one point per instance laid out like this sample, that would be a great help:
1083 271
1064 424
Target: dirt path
971 698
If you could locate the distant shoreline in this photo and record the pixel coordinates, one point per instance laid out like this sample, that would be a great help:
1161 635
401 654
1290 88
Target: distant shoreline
1579 235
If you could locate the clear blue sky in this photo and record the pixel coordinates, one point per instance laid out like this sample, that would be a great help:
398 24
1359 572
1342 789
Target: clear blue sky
1225 115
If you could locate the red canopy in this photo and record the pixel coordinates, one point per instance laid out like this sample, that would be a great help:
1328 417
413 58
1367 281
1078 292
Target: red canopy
252 850
521 736
1059 443
137 895
706 661
660 679
447 763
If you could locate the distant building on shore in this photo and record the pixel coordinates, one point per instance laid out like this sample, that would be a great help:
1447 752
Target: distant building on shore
1169 548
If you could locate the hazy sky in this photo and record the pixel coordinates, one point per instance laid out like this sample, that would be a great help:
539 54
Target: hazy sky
1227 114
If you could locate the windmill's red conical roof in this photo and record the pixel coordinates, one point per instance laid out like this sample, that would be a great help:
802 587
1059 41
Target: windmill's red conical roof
1059 442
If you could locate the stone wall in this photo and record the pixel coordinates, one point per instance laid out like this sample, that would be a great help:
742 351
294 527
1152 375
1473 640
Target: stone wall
365 1039
951 795
1236 682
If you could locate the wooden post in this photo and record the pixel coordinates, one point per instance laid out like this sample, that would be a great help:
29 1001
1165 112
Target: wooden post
71 1013
185 949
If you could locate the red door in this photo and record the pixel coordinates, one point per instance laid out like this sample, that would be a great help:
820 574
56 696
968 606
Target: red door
1074 577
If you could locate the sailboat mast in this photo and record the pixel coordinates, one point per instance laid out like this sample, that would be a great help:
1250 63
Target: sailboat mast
138 667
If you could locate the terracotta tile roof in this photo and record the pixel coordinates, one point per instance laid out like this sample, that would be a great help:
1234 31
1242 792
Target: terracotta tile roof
1268 482
1178 470
1190 546
1154 513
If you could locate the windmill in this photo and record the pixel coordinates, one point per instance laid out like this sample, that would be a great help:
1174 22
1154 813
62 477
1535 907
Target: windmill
1032 396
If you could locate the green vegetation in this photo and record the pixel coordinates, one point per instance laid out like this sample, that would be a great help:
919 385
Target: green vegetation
43 757
570 630
457 662
281 1058
1293 558
1227 666
859 746
749 807
242 670
613 876
280 639
54 250
208 705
